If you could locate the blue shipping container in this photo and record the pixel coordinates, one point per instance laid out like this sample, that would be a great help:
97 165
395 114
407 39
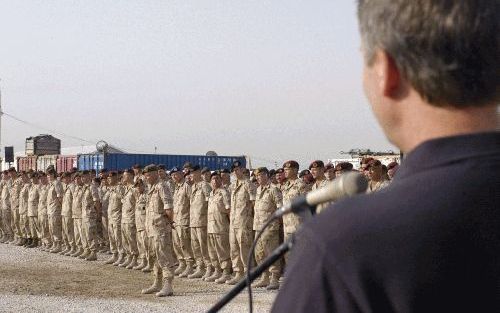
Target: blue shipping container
121 161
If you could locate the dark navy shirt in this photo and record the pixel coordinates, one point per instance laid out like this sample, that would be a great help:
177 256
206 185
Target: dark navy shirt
430 242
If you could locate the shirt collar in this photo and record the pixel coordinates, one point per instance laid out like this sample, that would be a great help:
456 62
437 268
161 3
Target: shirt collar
440 151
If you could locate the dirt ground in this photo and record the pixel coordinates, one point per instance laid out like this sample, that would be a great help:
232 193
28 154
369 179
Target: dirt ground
28 276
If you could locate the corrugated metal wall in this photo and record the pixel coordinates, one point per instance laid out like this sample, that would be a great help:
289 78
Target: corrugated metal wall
65 163
123 161
27 163
45 161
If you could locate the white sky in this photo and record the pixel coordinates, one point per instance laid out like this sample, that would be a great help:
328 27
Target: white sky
274 80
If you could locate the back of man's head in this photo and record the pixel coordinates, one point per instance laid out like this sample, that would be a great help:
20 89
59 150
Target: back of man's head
447 50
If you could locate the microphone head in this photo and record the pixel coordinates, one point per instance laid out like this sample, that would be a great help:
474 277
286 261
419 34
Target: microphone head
346 185
353 183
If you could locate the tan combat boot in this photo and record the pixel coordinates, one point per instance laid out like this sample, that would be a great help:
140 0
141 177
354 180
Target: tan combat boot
120 260
57 248
188 271
154 288
84 255
132 264
78 252
198 273
112 259
126 262
238 276
208 273
274 283
71 251
92 256
226 275
142 264
263 281
216 274
167 290
149 266
180 268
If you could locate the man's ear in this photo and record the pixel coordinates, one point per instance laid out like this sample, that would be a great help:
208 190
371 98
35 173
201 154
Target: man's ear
388 75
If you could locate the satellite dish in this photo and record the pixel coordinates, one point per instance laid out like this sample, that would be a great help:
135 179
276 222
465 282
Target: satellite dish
211 153
102 146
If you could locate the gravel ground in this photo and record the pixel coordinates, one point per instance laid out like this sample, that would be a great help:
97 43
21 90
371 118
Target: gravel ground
36 281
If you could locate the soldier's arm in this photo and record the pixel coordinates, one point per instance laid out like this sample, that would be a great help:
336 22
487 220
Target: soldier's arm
277 197
252 191
226 198
206 189
95 197
168 202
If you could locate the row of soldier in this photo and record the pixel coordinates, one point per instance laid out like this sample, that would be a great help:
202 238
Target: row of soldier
189 222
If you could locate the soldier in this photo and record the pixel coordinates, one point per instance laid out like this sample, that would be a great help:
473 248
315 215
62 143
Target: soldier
15 189
200 192
307 179
158 227
377 180
219 207
76 214
6 209
67 215
293 188
115 216
181 231
330 172
137 173
280 178
43 220
165 178
129 230
54 201
91 204
186 168
33 198
317 169
241 222
104 195
267 201
225 175
23 210
206 174
343 167
140 219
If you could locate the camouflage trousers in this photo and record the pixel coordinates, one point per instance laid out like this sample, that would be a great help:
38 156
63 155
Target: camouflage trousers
142 244
162 251
265 246
115 237
240 241
24 226
182 244
44 234
89 226
199 246
129 239
15 223
33 225
68 231
55 227
218 249
7 222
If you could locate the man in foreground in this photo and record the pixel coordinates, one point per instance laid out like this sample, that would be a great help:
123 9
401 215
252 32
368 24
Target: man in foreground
429 242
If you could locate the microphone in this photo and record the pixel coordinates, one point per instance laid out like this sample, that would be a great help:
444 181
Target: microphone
346 185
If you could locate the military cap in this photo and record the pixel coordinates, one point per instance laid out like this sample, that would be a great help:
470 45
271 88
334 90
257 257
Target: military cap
150 168
329 166
261 170
113 173
374 162
272 172
392 165
130 171
65 174
41 174
225 171
5 172
77 174
175 170
74 169
33 175
304 173
50 167
194 168
280 170
85 172
235 165
317 164
137 167
161 167
291 164
204 170
344 166
215 173
103 170
187 165
12 169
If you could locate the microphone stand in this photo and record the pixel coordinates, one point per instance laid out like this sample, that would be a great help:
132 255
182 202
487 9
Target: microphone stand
275 256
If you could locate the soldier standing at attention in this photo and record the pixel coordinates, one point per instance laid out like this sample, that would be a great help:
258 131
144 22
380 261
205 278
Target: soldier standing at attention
267 201
200 192
114 218
15 189
181 231
23 209
219 207
90 205
241 222
129 230
54 202
6 209
225 175
76 214
104 195
33 196
159 216
140 219
317 169
206 174
67 215
42 213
